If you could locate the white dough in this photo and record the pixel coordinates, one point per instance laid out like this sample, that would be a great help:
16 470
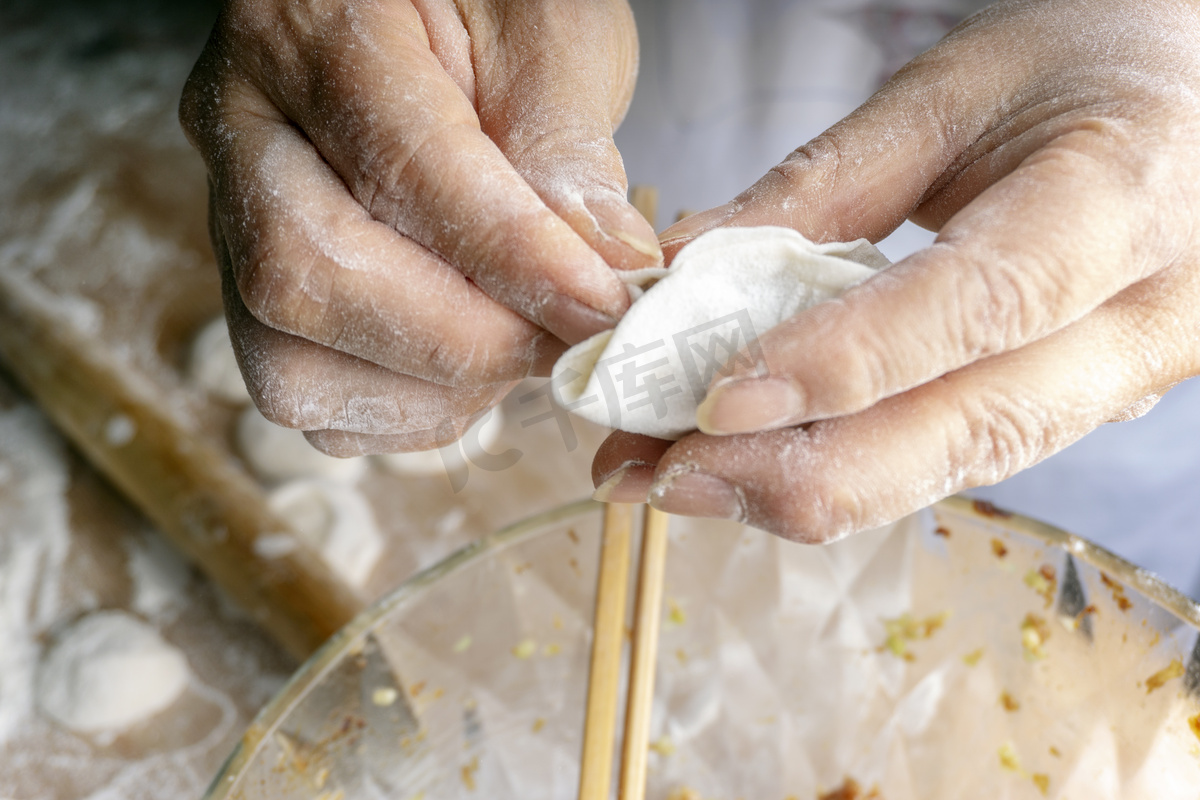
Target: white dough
213 366
333 518
280 454
108 672
431 462
726 288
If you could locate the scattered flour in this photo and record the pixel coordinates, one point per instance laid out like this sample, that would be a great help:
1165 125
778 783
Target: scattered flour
280 454
213 366
730 285
332 517
108 672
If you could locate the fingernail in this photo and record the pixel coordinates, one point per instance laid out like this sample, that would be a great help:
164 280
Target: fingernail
696 224
628 484
695 494
647 247
572 321
621 222
750 404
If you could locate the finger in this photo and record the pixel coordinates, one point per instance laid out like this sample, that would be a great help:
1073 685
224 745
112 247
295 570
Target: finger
623 468
973 427
1003 273
406 140
852 182
310 262
299 384
552 110
943 128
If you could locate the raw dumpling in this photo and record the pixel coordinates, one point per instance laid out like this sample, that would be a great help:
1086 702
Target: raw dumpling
650 373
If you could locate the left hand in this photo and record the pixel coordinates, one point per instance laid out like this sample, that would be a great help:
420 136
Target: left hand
414 203
1055 146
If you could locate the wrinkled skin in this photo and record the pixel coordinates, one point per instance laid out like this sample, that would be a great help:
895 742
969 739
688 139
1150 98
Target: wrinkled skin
413 204
384 171
1055 147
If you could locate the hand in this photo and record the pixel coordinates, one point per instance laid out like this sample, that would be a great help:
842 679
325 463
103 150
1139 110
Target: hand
1055 147
414 203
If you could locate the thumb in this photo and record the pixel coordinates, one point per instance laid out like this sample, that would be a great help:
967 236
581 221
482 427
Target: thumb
552 110
870 171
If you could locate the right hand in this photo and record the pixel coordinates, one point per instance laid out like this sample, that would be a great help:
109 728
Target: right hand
414 203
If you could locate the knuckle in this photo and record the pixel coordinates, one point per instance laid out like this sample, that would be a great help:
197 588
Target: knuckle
852 373
793 497
465 358
266 27
379 177
192 113
865 377
445 357
208 92
829 512
580 147
262 276
277 400
1007 299
202 104
812 165
1002 435
287 287
811 172
389 174
279 381
246 17
286 403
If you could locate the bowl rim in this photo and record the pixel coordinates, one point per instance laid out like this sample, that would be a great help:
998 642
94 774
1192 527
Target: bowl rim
311 671
268 718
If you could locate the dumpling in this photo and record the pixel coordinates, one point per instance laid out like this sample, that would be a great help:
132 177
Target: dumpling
727 287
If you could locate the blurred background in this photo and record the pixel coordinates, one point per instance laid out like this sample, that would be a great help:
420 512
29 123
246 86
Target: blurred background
109 391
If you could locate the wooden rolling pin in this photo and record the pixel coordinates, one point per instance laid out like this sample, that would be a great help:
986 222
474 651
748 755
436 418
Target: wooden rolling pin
194 491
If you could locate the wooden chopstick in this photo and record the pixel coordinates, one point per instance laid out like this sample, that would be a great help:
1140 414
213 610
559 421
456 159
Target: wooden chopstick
647 615
604 678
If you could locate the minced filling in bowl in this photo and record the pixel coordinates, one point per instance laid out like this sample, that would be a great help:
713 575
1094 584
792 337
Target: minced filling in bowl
960 653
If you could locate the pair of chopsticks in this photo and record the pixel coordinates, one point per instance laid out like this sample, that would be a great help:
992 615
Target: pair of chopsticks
612 589
604 680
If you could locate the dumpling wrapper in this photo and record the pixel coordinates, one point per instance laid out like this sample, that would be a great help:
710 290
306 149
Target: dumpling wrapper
727 287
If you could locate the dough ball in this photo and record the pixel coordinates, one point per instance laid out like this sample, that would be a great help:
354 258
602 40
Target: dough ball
424 463
333 518
108 672
212 365
275 453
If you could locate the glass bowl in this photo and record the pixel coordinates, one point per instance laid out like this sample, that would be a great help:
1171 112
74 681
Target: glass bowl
962 652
